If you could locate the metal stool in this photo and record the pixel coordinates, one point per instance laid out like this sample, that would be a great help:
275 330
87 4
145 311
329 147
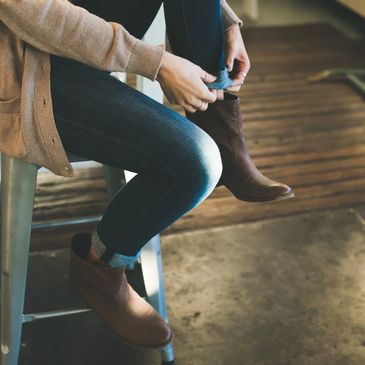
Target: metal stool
18 183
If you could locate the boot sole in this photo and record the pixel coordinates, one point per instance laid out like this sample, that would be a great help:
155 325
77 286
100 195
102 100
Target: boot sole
160 347
266 199
76 290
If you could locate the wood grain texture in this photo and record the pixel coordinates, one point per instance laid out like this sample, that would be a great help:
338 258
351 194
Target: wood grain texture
308 135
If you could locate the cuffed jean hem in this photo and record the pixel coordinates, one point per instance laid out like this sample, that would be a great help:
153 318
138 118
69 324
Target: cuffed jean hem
116 259
222 82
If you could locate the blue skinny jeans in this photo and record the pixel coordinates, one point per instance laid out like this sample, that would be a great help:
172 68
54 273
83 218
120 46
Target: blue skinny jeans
105 120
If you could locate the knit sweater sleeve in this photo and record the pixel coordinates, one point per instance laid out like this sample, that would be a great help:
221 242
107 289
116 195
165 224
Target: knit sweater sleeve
229 17
61 28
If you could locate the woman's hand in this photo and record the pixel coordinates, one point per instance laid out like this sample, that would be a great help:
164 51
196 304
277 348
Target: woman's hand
182 82
236 57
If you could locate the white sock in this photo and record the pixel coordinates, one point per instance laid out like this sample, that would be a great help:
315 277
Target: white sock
117 260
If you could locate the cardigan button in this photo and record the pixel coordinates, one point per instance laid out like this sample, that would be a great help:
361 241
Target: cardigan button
44 101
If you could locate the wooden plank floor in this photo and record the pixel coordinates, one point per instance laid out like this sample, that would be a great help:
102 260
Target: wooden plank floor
308 135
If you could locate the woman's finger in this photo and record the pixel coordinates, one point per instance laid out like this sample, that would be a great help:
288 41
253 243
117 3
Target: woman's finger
229 61
189 108
203 106
243 68
200 105
238 80
220 94
210 96
234 88
206 76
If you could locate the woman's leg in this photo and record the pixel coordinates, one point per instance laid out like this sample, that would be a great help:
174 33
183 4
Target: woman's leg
103 119
177 166
195 32
194 28
135 15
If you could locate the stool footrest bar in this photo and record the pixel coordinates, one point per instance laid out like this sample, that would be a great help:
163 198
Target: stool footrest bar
65 222
31 317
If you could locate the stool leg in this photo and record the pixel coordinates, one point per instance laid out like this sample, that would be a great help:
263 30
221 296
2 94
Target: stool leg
151 263
18 184
115 179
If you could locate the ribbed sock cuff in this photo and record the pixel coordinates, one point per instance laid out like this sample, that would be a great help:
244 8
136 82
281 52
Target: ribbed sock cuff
222 82
117 259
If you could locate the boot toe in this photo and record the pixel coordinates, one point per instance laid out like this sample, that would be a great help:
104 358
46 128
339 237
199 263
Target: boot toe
146 326
281 190
163 335
157 332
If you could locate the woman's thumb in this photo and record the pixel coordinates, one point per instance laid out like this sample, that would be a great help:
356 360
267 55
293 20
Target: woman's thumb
229 63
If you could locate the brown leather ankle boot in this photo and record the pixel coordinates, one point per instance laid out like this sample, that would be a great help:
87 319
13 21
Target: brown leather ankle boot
223 122
106 290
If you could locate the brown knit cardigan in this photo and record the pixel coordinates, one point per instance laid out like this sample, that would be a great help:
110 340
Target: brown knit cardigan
31 30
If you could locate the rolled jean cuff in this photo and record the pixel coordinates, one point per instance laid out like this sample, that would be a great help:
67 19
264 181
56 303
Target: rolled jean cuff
117 259
222 82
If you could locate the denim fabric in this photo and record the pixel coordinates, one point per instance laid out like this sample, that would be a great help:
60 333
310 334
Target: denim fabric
195 31
113 259
222 82
194 28
98 117
103 119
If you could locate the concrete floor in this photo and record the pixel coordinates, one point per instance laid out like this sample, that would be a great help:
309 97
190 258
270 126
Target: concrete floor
280 292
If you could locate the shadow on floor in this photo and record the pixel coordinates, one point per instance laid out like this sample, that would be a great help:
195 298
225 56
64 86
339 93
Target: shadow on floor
279 292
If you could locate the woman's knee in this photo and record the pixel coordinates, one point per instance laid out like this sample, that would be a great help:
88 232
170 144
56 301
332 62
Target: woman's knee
204 164
211 162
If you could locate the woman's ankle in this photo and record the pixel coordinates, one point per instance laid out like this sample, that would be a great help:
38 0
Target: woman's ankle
99 252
